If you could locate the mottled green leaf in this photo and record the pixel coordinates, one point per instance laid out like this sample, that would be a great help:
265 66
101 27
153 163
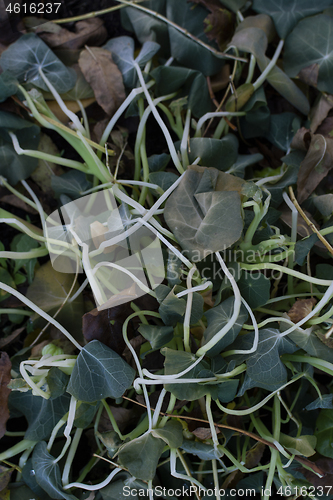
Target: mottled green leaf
99 373
29 54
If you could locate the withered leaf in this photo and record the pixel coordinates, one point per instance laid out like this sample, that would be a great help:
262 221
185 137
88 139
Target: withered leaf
204 433
5 367
315 166
326 465
104 77
328 341
90 31
301 309
5 474
320 111
309 75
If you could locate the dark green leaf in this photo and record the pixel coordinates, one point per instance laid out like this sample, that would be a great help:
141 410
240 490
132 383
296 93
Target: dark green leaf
189 82
99 373
203 451
172 308
122 49
47 473
72 183
244 161
325 401
255 288
84 414
324 433
163 179
186 51
286 13
171 433
205 221
23 243
324 203
227 390
8 85
216 153
29 477
303 247
282 128
217 318
311 43
42 414
141 456
158 162
156 335
309 341
176 362
57 382
25 57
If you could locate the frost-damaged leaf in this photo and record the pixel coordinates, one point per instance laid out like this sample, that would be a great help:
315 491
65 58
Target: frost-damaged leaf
47 473
311 43
217 318
99 373
104 77
301 309
5 377
324 433
315 166
204 212
41 414
286 13
303 445
16 167
27 55
122 49
141 456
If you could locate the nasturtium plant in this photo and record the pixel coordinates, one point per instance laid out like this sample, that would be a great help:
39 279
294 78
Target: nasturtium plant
166 281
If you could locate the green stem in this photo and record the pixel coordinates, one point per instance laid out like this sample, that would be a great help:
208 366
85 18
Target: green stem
269 67
274 453
20 447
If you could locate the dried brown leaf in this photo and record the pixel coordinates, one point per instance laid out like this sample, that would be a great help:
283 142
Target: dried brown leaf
301 139
309 75
320 111
104 77
90 31
315 166
5 377
301 309
326 465
5 474
204 433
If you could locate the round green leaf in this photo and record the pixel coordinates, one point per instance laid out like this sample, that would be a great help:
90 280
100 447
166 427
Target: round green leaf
311 43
